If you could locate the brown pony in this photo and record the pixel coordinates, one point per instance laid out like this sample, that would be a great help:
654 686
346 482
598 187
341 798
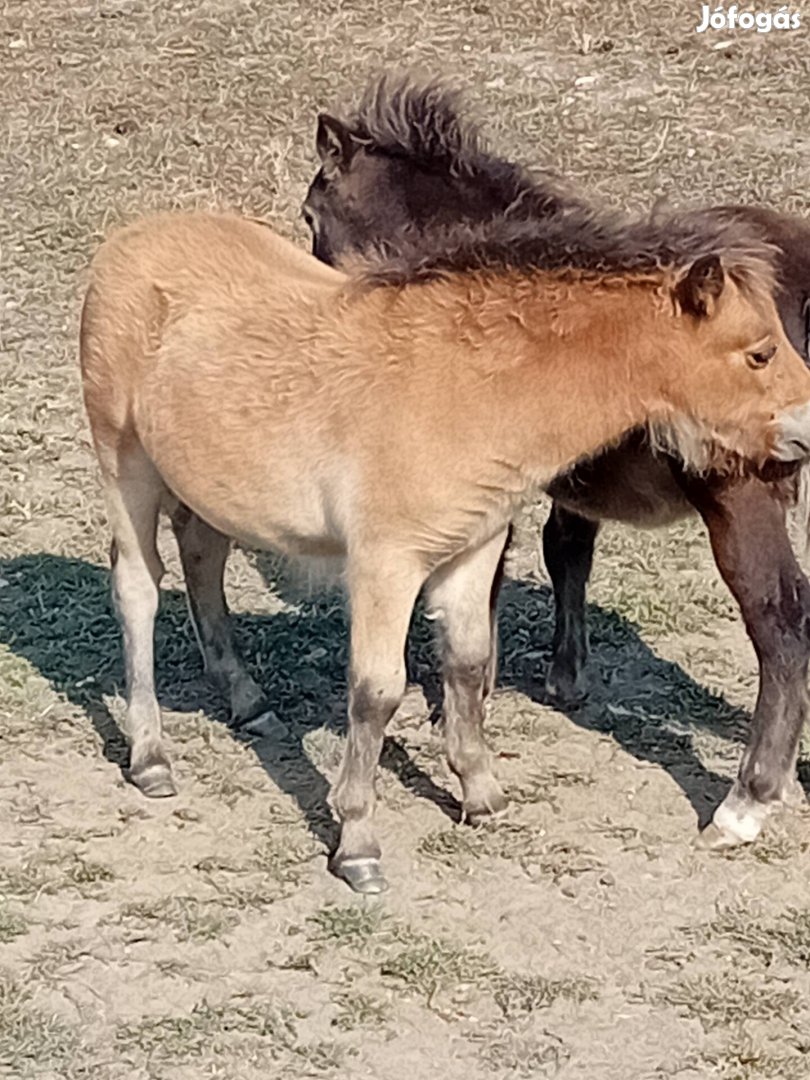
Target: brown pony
408 161
397 419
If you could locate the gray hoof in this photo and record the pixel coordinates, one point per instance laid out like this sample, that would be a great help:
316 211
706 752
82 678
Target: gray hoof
713 838
483 800
363 875
476 818
154 781
261 723
248 703
794 795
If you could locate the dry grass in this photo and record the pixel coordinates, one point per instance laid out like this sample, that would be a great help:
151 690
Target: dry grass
785 938
12 924
517 995
195 1035
725 1000
754 1064
428 964
52 871
187 917
30 1038
519 842
514 1054
356 1009
347 923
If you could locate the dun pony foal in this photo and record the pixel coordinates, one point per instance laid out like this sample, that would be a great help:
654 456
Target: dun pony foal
398 419
408 161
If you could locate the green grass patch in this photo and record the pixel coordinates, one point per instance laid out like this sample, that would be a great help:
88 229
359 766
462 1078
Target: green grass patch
519 995
721 1001
52 872
189 918
347 924
12 924
426 965
357 1010
786 937
30 1038
514 841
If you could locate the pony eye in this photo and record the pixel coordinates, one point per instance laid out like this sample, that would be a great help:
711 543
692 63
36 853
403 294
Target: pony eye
310 219
762 357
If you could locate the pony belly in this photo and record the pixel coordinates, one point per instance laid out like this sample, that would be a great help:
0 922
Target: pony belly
298 535
267 489
291 517
628 484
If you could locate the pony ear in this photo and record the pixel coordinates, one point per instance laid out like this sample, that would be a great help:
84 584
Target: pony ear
699 289
335 143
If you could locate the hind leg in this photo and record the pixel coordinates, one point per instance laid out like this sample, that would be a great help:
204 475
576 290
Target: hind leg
134 492
203 552
459 598
495 591
568 542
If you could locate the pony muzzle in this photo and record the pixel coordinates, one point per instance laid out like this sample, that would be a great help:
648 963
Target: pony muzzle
791 441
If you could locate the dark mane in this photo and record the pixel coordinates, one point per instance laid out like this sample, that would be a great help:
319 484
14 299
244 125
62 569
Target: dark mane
537 223
425 123
581 239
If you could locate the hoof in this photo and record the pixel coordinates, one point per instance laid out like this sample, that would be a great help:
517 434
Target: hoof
260 723
794 796
563 689
363 875
736 821
476 813
713 838
246 698
249 707
155 781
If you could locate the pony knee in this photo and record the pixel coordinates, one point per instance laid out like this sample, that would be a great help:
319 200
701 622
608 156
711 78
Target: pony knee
466 638
375 698
135 588
137 583
372 703
469 674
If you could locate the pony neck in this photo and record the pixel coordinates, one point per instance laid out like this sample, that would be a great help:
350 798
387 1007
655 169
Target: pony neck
593 365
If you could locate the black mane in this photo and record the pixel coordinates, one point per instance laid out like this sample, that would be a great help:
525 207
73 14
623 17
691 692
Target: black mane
538 222
582 239
424 123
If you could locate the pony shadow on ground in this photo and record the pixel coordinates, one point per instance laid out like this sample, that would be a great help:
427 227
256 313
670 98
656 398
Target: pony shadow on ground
56 613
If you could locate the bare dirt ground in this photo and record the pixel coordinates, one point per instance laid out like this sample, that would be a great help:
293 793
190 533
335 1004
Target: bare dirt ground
580 936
